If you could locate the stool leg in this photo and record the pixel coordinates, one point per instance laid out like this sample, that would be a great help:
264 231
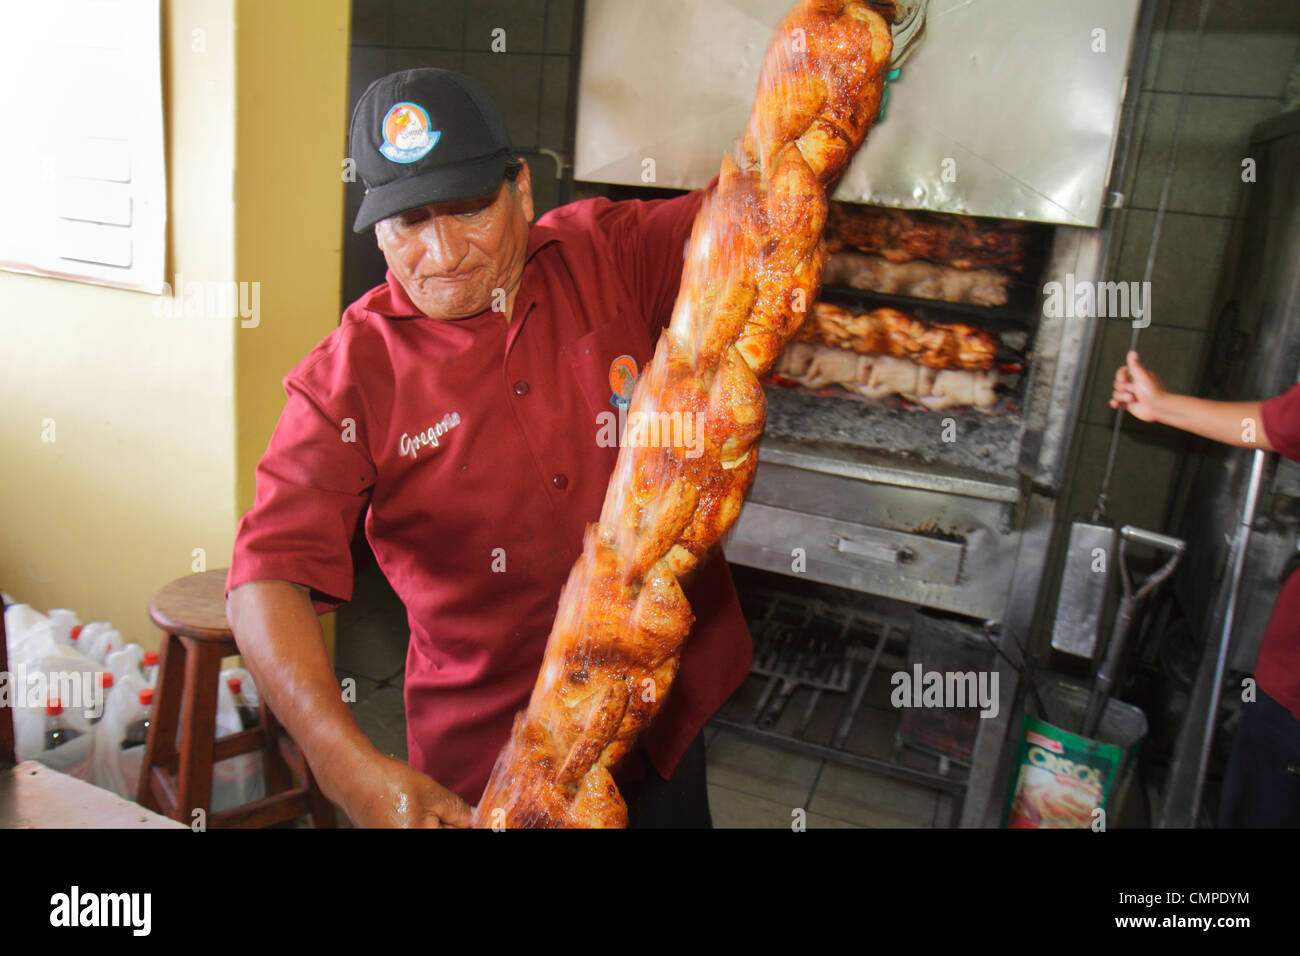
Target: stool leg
274 768
160 744
322 811
277 769
198 728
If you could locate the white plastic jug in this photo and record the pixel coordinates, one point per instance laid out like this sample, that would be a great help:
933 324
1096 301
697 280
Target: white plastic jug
62 621
98 640
73 757
126 661
21 618
26 651
114 768
69 679
236 780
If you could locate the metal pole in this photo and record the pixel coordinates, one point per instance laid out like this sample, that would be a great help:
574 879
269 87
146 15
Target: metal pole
1238 566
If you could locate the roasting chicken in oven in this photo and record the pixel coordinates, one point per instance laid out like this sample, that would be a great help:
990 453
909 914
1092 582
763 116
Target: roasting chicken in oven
947 345
880 376
921 280
901 235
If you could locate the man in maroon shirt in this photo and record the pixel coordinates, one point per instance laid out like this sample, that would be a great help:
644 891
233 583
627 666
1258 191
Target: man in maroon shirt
1261 786
467 401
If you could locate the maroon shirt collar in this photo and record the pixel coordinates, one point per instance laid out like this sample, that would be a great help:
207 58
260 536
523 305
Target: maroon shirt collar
391 299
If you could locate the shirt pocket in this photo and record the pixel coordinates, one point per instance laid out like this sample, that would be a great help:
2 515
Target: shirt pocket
592 360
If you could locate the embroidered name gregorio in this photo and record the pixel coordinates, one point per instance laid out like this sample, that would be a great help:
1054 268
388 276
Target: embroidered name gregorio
431 437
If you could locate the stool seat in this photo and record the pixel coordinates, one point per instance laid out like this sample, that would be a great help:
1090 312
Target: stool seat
180 747
193 606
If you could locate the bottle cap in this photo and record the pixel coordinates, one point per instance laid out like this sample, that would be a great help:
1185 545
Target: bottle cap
235 685
76 632
150 658
146 695
54 708
106 679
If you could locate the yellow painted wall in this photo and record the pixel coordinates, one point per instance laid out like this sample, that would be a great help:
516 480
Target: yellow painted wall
159 422
292 71
141 469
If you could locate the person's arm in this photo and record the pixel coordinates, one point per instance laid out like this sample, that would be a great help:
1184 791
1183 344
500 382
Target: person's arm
645 242
280 638
291 562
1143 396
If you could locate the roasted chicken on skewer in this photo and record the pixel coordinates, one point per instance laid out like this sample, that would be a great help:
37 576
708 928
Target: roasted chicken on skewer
901 235
947 345
921 280
753 268
879 376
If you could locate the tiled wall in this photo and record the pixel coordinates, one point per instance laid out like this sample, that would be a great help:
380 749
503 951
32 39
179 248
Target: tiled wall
1238 79
529 82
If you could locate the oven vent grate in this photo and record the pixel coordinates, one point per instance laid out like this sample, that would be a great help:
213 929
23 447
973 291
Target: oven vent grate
817 687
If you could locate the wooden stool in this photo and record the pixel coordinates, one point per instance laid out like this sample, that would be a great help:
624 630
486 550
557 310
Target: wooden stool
192 614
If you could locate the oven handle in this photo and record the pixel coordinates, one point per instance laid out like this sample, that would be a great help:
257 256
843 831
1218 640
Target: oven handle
888 553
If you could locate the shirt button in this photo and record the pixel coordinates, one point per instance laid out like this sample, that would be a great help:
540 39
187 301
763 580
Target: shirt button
561 481
521 387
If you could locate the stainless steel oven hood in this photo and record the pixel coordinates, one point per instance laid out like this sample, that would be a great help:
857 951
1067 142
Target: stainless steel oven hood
1005 108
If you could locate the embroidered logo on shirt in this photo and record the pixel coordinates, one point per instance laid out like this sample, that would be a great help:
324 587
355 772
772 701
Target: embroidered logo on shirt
431 437
622 379
407 136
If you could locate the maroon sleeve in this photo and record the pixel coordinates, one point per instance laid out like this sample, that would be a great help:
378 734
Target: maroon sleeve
646 241
1281 416
312 484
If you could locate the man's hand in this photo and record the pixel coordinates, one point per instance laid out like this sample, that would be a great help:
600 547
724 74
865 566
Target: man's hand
1138 391
391 793
279 636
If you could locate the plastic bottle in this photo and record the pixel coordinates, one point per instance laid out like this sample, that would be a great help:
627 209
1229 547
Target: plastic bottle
126 661
84 635
149 667
137 731
248 715
21 618
27 649
62 621
58 730
104 682
99 639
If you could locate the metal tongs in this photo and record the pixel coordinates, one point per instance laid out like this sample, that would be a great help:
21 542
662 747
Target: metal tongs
1107 672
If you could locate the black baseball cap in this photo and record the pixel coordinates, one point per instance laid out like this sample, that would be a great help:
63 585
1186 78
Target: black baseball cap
425 136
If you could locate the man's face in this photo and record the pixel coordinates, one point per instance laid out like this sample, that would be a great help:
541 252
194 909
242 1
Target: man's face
451 257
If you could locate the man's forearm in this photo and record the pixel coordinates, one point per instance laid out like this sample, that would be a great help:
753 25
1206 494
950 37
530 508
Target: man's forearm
280 639
1233 423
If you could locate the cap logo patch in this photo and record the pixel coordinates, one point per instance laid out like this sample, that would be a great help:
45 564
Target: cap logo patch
407 136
